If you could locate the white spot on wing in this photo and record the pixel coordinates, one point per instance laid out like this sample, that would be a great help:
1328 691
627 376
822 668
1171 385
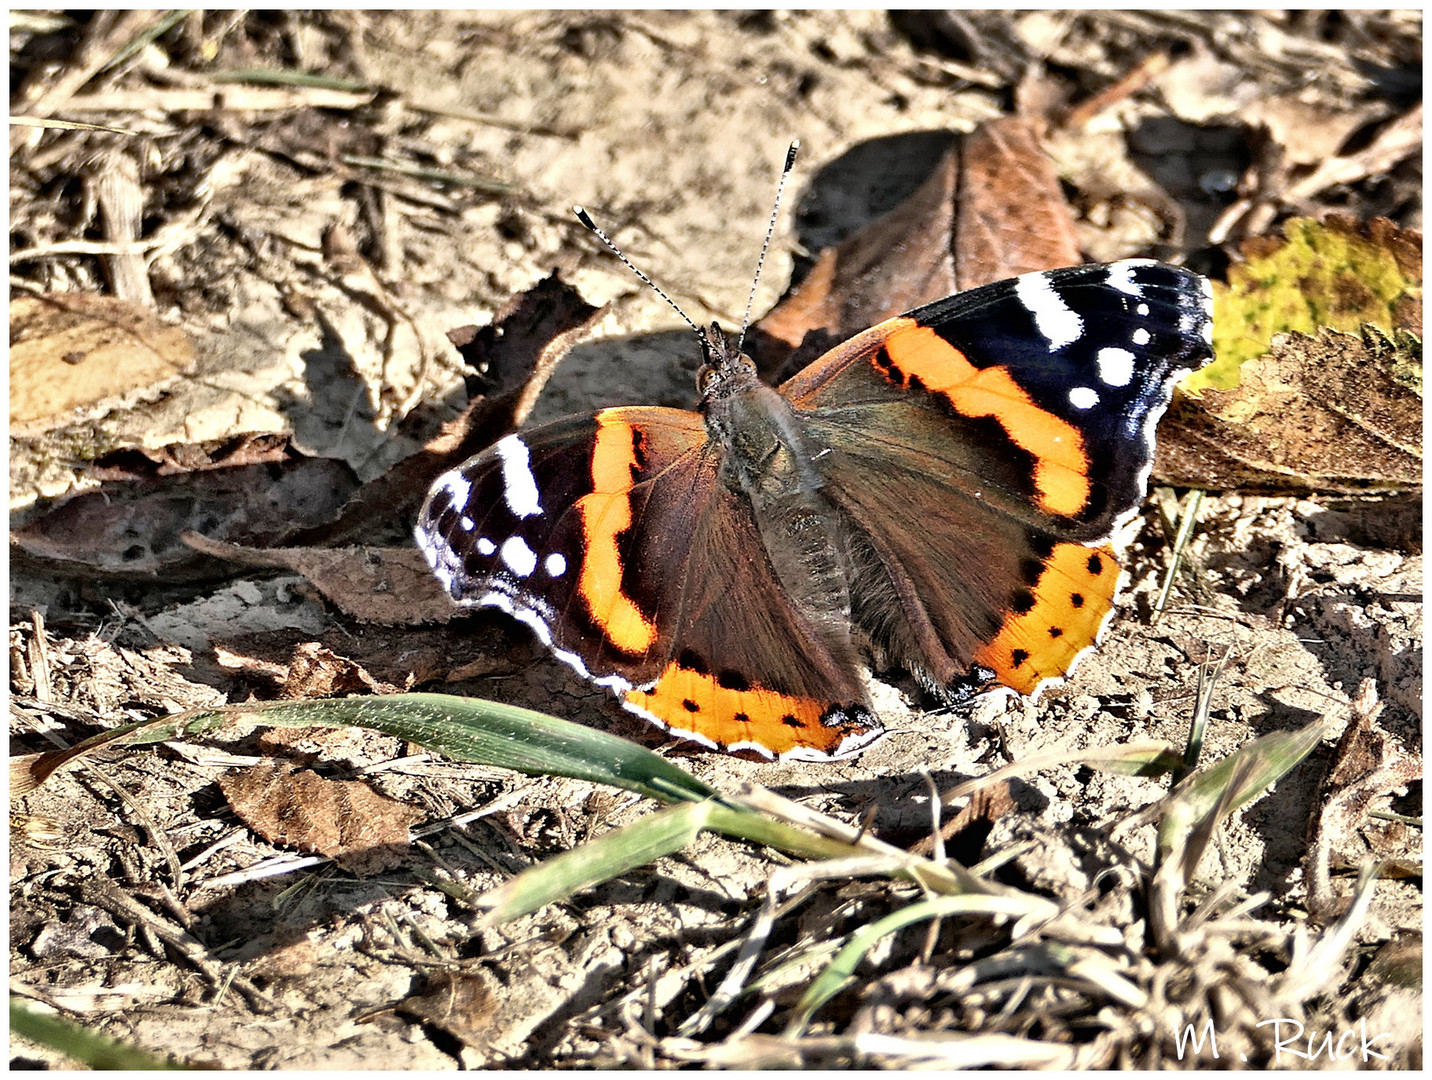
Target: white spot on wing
1059 324
1083 397
485 546
556 564
1142 336
519 485
459 491
1116 366
520 558
1121 276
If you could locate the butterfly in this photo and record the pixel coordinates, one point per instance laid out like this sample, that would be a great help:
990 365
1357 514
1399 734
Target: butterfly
937 493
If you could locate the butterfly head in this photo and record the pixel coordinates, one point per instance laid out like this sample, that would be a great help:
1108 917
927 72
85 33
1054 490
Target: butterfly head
725 366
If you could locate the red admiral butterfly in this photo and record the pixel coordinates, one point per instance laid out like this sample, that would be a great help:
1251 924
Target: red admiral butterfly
936 493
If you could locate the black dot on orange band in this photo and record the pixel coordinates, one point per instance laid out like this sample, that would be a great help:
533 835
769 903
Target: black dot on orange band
1055 631
1096 565
790 721
1077 599
742 718
1018 657
1022 601
732 680
689 705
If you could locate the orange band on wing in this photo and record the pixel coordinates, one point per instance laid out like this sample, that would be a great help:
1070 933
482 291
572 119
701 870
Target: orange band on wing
1061 464
1073 596
605 513
694 703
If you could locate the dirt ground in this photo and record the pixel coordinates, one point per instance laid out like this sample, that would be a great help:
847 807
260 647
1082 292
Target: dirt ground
317 292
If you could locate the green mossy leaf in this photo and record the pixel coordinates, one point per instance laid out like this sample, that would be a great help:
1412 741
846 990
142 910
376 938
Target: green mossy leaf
1338 273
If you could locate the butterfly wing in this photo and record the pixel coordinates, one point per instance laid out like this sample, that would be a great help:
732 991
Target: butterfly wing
613 537
984 450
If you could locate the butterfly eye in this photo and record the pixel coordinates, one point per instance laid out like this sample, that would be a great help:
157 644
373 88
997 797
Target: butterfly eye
703 379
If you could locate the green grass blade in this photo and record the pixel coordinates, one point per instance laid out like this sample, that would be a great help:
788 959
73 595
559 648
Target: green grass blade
463 729
1234 781
78 1044
606 857
662 833
842 968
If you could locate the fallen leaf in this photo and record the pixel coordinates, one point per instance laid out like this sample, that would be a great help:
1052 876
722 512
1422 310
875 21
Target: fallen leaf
317 672
1338 273
139 463
1331 413
1369 766
74 352
992 209
345 820
509 362
390 586
1309 133
132 529
461 1003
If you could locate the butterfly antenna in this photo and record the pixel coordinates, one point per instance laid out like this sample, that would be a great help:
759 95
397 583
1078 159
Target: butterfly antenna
586 219
770 231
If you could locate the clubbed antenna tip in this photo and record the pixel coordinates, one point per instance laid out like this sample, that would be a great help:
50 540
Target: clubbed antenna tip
770 231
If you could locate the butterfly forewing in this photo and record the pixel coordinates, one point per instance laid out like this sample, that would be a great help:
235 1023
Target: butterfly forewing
1056 380
983 449
645 573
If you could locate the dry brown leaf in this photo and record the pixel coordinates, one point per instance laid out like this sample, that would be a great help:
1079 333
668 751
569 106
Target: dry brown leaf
133 529
74 352
317 672
344 820
390 586
1370 765
139 463
463 1004
1326 413
510 360
1308 132
992 209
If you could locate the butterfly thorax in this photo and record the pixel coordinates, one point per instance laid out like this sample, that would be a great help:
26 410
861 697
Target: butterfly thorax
765 454
763 448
